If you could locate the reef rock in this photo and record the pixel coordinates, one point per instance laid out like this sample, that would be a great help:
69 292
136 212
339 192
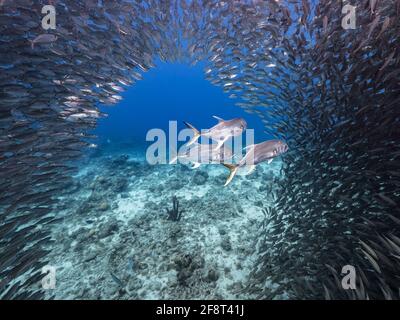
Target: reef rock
200 178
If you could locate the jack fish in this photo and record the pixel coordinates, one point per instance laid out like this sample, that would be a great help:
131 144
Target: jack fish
221 132
199 154
257 153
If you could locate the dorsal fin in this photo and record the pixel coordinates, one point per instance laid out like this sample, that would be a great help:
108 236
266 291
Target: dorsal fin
219 119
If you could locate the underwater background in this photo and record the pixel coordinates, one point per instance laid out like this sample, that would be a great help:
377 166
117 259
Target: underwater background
85 215
122 202
171 92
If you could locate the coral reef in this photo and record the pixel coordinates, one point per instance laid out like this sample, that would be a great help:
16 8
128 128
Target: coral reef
127 249
175 214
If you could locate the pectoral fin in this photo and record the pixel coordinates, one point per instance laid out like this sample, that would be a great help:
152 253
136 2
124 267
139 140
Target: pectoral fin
233 170
195 165
269 161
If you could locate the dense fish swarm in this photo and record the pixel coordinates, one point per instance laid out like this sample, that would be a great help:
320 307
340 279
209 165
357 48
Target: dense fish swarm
339 202
331 93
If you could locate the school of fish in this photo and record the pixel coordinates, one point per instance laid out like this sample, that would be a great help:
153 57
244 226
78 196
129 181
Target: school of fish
331 94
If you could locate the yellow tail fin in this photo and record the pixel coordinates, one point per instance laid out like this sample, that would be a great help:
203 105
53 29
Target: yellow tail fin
233 169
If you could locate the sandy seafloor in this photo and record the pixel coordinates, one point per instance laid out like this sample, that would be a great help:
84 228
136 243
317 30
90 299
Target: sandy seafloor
115 241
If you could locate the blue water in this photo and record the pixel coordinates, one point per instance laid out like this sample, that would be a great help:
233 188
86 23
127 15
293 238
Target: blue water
171 92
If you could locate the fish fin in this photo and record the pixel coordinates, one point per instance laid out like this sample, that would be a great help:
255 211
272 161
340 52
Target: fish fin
233 169
32 44
218 118
269 161
221 143
248 147
173 160
252 168
196 132
195 165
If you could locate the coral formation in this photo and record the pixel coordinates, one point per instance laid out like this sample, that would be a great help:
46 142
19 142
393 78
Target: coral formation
175 214
131 251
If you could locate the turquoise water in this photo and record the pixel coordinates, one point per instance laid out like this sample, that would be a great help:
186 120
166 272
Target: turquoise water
171 92
108 222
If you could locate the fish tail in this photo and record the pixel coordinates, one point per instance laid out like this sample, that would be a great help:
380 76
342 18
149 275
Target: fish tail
196 132
232 172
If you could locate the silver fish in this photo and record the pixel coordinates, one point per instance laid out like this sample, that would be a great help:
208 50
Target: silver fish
198 154
43 38
262 152
330 93
221 132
